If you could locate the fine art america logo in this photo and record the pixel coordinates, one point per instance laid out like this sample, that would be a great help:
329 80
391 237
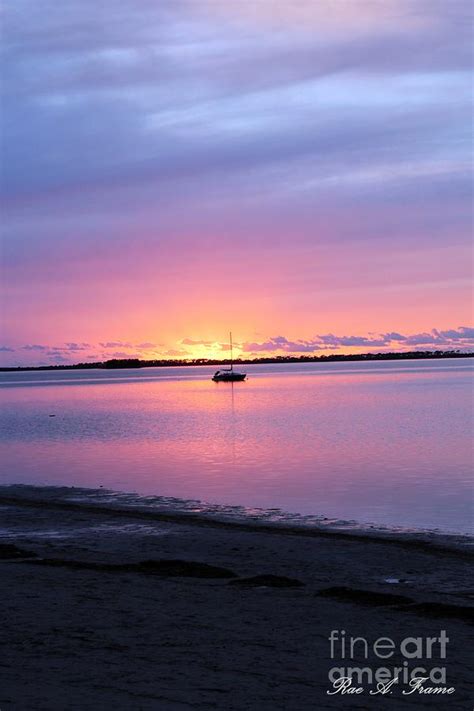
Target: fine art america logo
419 671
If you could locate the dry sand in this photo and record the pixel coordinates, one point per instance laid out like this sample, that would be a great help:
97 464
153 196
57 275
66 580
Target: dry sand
85 635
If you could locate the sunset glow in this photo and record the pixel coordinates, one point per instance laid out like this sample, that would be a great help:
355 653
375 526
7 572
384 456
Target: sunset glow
295 172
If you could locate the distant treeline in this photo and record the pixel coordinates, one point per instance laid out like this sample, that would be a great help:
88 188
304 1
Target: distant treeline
115 363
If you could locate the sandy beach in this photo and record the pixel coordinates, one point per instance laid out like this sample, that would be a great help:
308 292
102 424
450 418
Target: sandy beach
87 624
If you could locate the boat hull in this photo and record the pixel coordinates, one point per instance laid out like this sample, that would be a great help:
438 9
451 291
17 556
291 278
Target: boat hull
229 377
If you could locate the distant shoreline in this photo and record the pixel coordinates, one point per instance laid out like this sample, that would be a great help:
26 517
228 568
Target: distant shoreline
126 363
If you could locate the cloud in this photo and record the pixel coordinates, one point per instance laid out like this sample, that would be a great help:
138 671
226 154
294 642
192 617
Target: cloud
394 336
138 146
211 111
78 346
147 346
460 338
57 357
461 333
115 344
331 340
281 343
463 336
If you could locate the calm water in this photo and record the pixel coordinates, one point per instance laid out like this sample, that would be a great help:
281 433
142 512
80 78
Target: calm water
388 443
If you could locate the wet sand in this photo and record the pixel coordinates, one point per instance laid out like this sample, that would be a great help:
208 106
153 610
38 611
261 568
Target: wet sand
85 626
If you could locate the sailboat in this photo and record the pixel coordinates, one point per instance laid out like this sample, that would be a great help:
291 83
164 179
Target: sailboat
228 374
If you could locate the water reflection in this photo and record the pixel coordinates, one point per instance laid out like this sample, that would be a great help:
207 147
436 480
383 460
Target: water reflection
380 444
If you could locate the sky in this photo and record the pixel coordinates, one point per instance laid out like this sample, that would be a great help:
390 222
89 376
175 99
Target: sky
298 172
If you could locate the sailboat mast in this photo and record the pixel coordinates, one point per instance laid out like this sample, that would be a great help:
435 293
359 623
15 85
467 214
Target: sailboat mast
231 358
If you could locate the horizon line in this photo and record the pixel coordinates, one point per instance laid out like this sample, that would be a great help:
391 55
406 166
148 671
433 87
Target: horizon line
123 363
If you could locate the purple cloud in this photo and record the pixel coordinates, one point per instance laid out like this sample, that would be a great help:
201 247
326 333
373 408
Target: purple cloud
57 357
452 338
460 336
147 346
461 333
122 354
331 340
77 346
115 344
281 343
